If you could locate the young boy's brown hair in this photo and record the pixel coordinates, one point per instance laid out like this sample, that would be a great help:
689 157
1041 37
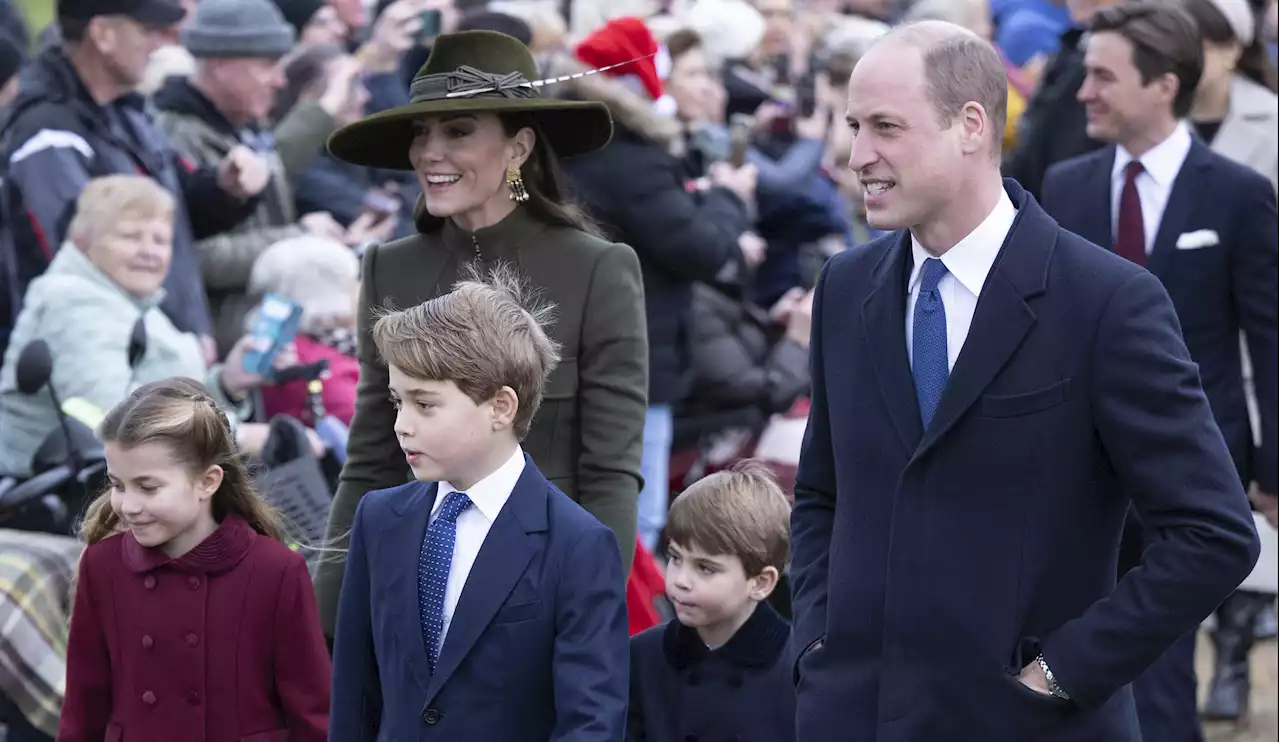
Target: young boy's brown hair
487 333
739 512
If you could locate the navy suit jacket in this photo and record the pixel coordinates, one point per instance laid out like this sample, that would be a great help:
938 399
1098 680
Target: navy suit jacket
935 563
537 650
1218 290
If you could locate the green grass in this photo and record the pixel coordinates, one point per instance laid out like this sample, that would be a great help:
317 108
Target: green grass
38 14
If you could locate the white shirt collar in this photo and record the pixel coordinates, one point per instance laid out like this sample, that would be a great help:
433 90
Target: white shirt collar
971 258
491 493
1162 162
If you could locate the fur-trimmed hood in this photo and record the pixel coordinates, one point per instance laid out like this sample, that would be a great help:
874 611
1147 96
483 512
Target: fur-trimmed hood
630 110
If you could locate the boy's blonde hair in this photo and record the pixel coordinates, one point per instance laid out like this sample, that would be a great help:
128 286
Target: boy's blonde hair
485 334
740 511
106 200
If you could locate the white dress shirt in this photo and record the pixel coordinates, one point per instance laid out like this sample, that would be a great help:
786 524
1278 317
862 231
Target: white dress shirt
488 496
968 264
1160 166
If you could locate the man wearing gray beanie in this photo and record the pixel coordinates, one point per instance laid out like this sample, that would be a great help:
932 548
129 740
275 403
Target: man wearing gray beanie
237 45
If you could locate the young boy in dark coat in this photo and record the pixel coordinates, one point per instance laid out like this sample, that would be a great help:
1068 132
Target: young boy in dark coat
719 670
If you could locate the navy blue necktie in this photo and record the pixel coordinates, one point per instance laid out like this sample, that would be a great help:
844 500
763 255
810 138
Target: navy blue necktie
433 571
929 341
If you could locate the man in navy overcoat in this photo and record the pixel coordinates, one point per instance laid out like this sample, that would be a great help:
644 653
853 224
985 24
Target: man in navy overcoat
990 394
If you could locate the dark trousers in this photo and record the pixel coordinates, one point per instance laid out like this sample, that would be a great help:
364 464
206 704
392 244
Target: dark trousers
1166 696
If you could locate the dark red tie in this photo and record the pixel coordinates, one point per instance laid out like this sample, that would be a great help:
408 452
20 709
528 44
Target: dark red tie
1131 236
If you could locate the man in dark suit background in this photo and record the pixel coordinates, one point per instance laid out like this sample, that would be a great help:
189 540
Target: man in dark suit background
1206 227
990 393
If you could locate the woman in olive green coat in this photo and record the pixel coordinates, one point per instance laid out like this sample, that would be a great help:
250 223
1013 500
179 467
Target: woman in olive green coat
484 144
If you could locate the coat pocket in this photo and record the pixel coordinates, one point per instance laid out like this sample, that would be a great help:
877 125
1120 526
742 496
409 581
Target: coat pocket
1026 403
518 613
275 735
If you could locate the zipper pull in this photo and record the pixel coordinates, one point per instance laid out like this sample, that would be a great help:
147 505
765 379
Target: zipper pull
476 243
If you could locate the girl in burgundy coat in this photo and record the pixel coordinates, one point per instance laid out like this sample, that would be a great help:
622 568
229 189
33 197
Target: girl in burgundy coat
192 620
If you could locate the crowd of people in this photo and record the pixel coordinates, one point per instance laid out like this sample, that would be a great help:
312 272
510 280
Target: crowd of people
690 193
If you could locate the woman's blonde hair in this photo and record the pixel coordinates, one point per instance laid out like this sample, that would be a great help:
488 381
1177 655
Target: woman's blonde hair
180 414
105 201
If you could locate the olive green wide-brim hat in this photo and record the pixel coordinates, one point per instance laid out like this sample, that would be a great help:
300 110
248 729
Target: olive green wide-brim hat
473 72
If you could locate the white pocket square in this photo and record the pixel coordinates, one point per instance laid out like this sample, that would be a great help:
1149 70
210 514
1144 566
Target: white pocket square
1197 239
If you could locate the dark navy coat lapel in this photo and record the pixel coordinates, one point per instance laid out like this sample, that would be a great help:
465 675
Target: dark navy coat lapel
506 552
884 320
1095 201
1002 318
406 534
1178 212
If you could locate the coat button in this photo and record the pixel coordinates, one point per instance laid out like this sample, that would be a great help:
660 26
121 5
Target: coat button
149 582
193 582
694 679
192 640
735 681
690 738
148 642
193 698
431 716
149 698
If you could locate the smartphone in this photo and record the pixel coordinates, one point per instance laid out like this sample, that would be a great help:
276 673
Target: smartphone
276 325
739 138
430 25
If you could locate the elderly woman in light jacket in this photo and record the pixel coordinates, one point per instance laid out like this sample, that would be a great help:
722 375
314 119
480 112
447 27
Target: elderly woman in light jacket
104 278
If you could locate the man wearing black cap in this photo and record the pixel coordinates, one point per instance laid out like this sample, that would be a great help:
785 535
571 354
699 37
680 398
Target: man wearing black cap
77 117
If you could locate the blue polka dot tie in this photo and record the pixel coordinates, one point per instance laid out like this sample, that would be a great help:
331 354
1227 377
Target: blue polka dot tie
929 341
433 571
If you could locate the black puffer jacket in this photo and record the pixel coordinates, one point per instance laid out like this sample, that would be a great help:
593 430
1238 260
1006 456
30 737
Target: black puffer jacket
635 188
745 367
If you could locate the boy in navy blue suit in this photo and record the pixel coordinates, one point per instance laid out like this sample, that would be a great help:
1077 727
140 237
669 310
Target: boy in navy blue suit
479 602
719 670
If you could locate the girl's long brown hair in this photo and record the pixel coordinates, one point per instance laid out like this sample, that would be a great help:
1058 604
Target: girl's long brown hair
180 414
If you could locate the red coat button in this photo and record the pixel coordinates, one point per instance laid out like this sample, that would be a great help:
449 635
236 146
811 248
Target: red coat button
192 640
149 582
149 698
193 583
148 642
193 698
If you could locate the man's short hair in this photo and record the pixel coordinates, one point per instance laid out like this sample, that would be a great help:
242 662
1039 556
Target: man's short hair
1165 41
106 200
960 68
485 334
740 512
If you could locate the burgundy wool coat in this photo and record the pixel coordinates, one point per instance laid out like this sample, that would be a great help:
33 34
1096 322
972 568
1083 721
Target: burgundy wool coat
220 645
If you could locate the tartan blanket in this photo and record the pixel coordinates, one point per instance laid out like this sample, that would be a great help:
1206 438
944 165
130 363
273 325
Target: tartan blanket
36 575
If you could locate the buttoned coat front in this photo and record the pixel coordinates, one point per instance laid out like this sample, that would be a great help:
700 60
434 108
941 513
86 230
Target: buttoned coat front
220 645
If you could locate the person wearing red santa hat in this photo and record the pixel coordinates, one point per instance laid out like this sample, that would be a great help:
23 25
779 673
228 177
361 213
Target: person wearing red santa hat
634 187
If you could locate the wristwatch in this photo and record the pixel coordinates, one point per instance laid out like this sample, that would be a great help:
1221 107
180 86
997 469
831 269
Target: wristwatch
1054 689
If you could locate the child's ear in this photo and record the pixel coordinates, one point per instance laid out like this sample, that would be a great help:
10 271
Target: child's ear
762 585
504 406
210 481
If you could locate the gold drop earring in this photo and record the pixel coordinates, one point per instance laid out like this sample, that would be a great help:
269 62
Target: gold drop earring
515 183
